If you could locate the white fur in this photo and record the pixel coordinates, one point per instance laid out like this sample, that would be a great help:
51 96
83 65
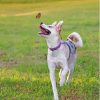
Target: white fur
60 56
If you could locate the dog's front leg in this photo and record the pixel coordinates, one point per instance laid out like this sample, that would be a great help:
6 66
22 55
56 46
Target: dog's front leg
63 73
53 80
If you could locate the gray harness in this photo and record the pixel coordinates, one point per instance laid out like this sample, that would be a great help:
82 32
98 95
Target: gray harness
71 46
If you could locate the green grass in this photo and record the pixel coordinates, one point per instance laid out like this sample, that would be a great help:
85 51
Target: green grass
24 73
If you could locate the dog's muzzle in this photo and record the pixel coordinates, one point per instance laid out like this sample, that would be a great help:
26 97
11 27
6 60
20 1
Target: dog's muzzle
44 31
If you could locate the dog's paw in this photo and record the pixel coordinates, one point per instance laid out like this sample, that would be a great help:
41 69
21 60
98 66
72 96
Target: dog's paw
56 97
61 83
68 81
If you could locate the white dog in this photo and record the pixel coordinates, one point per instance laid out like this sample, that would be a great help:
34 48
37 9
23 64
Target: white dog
60 53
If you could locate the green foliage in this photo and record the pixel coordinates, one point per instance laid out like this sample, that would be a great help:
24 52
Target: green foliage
23 68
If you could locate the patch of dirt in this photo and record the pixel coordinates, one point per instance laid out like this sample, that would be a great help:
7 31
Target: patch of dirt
2 53
11 63
22 14
8 64
72 96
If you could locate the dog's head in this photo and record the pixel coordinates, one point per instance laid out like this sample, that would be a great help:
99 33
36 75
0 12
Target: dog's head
52 30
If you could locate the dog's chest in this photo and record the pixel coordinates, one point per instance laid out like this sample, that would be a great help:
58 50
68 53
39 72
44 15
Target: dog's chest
57 57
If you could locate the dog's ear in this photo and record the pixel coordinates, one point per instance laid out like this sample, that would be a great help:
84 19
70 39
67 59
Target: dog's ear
54 23
59 25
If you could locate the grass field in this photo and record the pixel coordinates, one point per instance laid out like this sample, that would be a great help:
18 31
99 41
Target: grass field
23 68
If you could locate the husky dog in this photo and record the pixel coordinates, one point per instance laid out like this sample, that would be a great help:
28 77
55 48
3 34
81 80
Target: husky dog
60 53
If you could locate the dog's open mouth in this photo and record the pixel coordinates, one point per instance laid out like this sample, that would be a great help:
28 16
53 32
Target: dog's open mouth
44 31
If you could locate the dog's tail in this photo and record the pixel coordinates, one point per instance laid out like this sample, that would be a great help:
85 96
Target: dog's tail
76 39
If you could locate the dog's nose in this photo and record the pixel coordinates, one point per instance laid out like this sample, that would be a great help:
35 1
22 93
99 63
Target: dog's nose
41 23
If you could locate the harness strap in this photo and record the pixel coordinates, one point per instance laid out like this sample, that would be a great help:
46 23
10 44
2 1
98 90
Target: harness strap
71 46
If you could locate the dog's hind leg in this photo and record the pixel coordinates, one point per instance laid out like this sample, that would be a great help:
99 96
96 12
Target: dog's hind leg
63 75
71 69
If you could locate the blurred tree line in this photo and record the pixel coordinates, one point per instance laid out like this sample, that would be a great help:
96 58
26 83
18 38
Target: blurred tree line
29 1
